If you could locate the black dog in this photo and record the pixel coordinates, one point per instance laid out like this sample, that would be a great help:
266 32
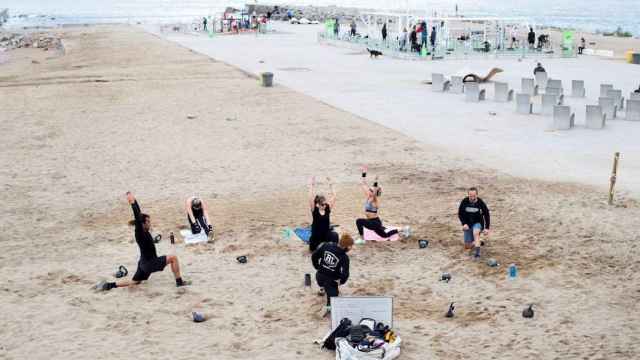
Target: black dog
373 53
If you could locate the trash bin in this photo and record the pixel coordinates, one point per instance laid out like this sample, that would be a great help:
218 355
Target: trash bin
266 79
628 56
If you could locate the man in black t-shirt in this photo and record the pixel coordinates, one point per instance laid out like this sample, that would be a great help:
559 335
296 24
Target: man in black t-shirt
149 261
474 216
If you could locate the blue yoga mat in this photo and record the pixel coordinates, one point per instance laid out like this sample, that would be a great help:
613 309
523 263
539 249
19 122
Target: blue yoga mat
303 233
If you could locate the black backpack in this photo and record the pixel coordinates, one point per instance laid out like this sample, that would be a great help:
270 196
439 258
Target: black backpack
341 331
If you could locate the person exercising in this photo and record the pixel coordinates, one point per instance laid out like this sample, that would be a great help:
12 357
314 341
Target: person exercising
474 217
371 208
332 264
321 208
198 215
149 261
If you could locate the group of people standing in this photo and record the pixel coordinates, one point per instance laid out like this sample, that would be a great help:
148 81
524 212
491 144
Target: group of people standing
418 38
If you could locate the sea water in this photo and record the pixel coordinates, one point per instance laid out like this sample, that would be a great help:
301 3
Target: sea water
590 15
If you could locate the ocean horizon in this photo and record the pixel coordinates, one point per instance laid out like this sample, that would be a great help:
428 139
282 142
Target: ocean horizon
588 15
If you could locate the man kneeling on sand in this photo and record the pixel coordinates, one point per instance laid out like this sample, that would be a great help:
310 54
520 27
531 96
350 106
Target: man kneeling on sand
332 264
149 261
474 216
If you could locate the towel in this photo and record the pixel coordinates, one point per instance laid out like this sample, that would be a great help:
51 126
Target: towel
303 233
371 235
190 238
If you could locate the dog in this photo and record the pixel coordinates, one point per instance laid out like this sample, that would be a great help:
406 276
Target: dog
374 53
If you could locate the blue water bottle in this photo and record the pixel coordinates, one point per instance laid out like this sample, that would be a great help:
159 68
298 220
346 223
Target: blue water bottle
513 271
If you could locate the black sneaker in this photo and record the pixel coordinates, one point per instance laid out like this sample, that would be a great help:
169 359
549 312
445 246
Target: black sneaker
102 285
184 283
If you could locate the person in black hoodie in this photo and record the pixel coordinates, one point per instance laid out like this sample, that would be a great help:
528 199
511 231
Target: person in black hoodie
475 219
149 261
332 264
321 216
384 32
413 39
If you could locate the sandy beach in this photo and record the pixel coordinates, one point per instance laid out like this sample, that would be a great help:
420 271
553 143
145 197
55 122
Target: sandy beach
123 109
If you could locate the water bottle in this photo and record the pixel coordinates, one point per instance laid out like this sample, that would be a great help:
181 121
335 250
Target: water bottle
172 247
407 231
513 271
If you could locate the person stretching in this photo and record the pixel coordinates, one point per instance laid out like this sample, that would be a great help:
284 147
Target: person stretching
371 207
321 216
332 265
474 216
149 261
198 215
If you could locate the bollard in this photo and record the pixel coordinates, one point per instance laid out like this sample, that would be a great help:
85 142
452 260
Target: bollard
266 79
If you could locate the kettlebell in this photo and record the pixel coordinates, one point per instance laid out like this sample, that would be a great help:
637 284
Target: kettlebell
528 312
242 259
450 311
157 238
198 317
423 243
446 277
122 272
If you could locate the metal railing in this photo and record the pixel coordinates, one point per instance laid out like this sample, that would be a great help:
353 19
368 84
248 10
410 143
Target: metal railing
456 49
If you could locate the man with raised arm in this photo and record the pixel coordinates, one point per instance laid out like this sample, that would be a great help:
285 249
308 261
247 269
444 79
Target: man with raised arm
149 261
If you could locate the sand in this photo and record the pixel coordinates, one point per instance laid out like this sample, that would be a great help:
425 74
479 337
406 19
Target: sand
125 110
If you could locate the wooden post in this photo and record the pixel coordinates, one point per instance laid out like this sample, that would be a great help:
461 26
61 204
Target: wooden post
612 180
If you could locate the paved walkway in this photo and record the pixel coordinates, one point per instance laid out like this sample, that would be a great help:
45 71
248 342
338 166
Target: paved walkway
391 92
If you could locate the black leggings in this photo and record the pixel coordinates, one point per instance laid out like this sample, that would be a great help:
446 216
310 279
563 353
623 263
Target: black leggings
375 225
201 222
330 286
316 241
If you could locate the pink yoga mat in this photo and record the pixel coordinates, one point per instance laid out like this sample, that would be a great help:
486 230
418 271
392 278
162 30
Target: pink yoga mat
370 235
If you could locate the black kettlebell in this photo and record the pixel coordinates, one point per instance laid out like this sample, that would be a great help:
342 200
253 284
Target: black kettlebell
450 311
242 259
423 243
157 238
198 317
122 272
446 277
528 312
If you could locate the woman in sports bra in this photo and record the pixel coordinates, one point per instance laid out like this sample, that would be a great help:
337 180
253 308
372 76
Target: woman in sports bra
321 214
371 206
